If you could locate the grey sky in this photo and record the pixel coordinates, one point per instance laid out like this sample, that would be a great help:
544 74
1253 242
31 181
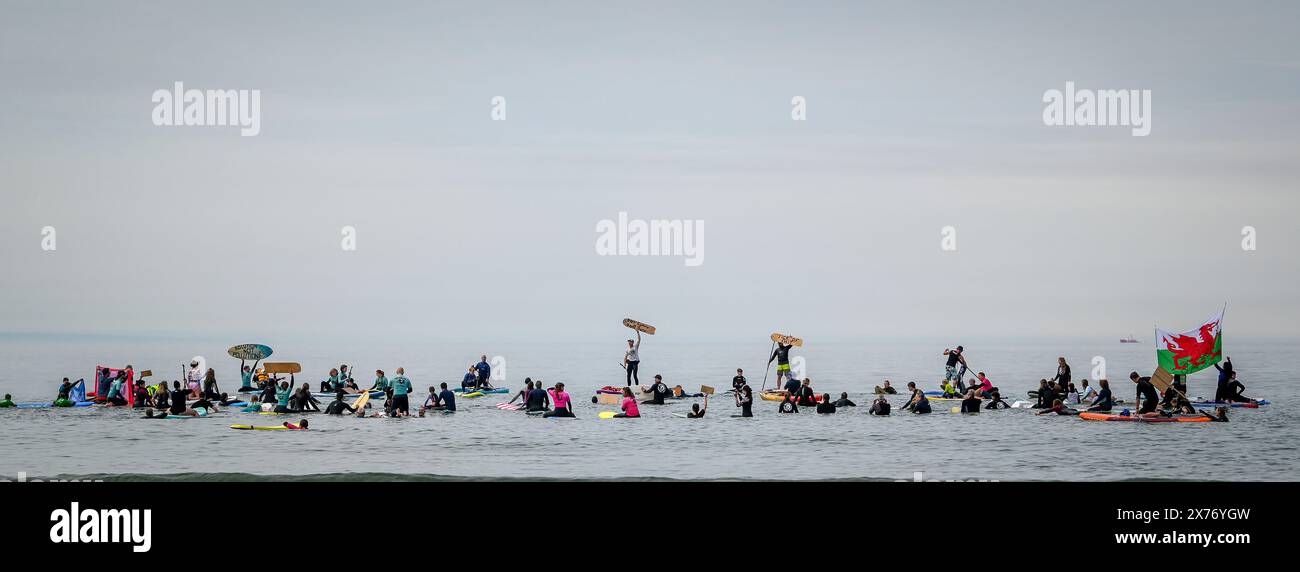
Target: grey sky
376 115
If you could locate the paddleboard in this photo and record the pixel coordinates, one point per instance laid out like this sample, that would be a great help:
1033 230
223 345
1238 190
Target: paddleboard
509 406
787 340
51 406
282 367
249 352
1213 404
1090 416
483 391
260 427
638 326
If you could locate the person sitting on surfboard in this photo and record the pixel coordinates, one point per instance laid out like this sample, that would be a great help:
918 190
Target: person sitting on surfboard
141 396
1104 400
523 393
629 405
697 411
331 384
782 356
632 360
887 389
8 401
381 382
344 374
1146 393
659 391
469 381
563 404
538 398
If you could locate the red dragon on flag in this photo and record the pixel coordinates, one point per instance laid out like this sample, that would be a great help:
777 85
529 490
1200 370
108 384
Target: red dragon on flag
1191 351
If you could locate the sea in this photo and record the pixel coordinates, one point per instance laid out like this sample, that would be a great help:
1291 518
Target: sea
481 442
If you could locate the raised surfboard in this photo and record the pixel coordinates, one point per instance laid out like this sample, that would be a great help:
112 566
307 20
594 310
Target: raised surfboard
787 340
282 367
638 326
250 352
361 402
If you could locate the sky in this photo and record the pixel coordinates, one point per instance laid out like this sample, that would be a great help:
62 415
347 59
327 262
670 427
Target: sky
378 116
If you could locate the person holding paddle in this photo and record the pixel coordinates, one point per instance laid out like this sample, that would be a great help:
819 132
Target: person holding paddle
782 356
632 360
950 371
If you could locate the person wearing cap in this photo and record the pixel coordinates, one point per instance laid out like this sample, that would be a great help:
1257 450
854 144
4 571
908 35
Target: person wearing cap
194 378
632 360
659 391
738 381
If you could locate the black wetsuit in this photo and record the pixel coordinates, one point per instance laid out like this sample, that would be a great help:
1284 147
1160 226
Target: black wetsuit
880 407
845 402
805 396
660 391
1147 395
337 406
746 403
971 405
737 382
824 407
537 399
788 407
1103 402
178 401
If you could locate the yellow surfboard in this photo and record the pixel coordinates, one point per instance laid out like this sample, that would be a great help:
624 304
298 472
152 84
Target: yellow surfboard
606 414
360 405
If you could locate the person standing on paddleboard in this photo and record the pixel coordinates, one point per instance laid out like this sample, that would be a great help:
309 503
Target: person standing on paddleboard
484 373
1062 372
950 371
632 360
782 356
194 378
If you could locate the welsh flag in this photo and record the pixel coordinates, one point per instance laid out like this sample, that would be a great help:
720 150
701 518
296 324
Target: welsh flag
1192 351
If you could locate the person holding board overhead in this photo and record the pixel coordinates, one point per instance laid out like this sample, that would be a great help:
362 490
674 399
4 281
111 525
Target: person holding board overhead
632 360
782 356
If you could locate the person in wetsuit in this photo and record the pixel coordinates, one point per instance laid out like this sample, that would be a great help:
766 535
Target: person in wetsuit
787 405
697 411
972 402
1104 401
739 380
804 395
401 387
659 391
1058 408
745 400
844 401
782 356
469 381
65 390
880 406
1045 395
331 384
446 399
996 401
1220 414
539 400
1062 372
177 398
1225 376
338 406
483 372
1146 394
918 403
826 406
1236 390
563 403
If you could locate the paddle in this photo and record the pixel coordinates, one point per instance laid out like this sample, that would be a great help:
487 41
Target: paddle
769 365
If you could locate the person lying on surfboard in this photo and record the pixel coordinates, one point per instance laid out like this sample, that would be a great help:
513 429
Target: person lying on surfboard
301 426
1059 408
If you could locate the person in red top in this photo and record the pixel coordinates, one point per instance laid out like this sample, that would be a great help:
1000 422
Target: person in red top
301 426
984 387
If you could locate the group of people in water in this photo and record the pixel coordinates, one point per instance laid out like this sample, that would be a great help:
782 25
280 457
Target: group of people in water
262 391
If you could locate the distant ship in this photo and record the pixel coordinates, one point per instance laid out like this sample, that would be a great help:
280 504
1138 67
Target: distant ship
1128 340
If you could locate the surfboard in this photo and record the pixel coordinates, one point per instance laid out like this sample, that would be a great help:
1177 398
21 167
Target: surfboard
509 407
260 427
606 414
638 326
250 352
787 340
282 367
361 402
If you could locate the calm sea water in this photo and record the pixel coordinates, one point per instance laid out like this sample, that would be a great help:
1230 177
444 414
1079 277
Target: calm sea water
481 441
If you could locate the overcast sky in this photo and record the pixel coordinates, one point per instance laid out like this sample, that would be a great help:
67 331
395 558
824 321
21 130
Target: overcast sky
919 116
